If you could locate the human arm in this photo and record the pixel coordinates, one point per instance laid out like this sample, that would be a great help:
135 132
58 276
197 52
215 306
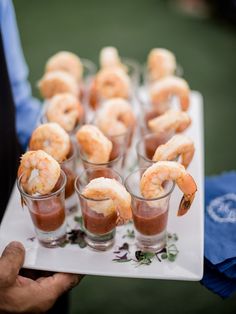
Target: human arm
27 107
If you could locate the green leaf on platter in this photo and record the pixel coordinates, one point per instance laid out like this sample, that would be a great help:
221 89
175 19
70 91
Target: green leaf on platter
164 255
129 234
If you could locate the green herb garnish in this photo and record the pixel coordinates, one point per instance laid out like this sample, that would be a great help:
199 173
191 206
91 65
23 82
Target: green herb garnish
79 220
129 234
144 258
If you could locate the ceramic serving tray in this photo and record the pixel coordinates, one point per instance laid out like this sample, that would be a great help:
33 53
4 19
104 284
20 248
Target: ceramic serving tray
188 265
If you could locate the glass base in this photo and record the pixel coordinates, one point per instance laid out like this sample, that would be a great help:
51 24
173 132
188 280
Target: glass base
71 204
152 243
53 238
100 242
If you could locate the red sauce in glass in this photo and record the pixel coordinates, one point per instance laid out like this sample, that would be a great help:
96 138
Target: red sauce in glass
48 215
97 223
149 221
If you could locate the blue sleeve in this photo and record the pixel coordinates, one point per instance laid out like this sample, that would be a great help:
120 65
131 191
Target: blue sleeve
27 107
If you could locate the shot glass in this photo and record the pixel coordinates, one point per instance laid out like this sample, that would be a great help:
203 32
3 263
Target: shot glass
147 146
47 213
150 215
69 168
99 215
148 111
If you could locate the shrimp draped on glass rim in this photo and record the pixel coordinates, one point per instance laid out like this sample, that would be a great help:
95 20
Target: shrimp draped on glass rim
51 138
172 121
178 145
151 184
65 61
39 172
94 144
66 110
106 188
161 91
57 82
110 83
115 117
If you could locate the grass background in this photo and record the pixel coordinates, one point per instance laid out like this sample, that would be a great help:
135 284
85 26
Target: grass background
206 50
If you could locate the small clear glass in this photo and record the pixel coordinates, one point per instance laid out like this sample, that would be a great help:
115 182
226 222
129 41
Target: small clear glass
147 146
150 216
148 112
47 213
99 215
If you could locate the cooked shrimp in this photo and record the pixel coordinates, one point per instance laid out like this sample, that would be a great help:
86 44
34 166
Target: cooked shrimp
115 117
162 90
178 145
106 188
161 62
57 82
112 82
40 172
153 178
109 58
66 110
51 138
65 61
96 146
169 122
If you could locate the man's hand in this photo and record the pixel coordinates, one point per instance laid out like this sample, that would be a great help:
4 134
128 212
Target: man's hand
20 294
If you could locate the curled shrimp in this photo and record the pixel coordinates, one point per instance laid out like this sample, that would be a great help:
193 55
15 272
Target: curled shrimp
65 61
170 122
115 117
162 90
110 83
51 138
96 146
57 82
178 145
39 172
66 110
161 62
109 58
154 177
106 188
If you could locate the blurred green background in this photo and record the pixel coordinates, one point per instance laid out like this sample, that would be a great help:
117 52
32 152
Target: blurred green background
206 50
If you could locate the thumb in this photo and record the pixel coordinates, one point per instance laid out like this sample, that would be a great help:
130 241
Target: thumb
60 283
10 263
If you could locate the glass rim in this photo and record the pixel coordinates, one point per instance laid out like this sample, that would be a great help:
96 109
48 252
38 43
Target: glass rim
143 198
89 198
41 197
